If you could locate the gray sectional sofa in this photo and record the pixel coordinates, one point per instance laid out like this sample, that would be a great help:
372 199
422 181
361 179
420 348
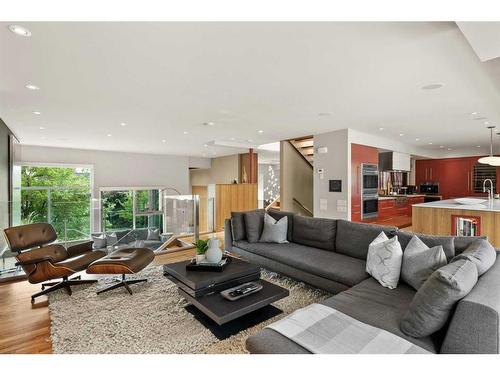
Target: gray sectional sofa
128 238
331 255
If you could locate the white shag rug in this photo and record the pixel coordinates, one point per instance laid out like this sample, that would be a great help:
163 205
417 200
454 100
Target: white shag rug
152 320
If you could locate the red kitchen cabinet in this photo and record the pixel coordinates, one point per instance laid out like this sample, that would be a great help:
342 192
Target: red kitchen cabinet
386 208
359 154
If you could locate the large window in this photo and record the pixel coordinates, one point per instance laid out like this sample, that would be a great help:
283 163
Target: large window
57 195
130 208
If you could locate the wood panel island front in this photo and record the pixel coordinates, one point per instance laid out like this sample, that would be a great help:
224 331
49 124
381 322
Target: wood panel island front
448 217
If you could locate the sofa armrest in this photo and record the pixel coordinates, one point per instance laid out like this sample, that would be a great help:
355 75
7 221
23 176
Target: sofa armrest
474 327
228 236
81 248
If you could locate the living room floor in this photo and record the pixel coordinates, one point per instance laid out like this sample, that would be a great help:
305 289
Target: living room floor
26 329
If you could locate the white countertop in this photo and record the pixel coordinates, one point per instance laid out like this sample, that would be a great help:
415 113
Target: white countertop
492 205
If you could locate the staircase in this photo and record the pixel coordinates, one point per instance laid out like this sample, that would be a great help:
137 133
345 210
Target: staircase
305 146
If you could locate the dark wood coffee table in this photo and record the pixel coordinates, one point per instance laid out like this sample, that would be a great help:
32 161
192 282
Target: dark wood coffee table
202 289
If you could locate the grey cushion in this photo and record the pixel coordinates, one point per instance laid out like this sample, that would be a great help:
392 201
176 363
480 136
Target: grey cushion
481 253
153 234
353 238
269 341
274 230
371 303
152 244
314 232
463 242
111 239
279 214
238 226
337 267
99 240
447 242
419 262
254 222
431 308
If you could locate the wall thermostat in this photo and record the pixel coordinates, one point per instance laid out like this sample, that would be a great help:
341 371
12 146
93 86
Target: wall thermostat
335 186
322 150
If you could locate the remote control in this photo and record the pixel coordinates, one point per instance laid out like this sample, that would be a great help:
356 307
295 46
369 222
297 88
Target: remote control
241 291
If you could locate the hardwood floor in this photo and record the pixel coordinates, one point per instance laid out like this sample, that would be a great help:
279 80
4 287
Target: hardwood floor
25 328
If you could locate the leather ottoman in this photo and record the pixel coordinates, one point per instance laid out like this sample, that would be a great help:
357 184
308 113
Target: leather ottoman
123 261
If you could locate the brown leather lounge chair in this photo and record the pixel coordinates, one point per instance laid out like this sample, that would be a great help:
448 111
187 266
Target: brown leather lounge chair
42 260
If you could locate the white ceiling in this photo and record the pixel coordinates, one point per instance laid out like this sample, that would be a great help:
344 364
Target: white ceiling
164 79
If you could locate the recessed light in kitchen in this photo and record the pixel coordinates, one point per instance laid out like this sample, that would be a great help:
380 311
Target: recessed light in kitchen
380 129
163 140
185 132
209 123
37 113
478 146
32 87
109 135
474 113
401 134
232 139
41 128
441 146
19 30
430 143
486 123
417 139
123 123
205 145
432 86
260 131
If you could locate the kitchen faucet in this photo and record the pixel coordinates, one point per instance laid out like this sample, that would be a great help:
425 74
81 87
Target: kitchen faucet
490 190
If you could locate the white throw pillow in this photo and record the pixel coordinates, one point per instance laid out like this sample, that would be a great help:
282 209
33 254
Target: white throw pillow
384 260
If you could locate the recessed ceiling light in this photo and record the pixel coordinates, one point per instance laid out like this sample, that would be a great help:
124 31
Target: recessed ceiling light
478 146
449 149
19 30
209 123
486 123
432 86
37 113
250 140
430 143
185 132
32 87
163 140
380 129
474 113
441 146
324 114
109 135
123 123
401 134
417 139
260 131
205 145
41 128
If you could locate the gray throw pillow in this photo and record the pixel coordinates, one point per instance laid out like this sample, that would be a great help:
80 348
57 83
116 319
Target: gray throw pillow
481 253
384 259
99 240
254 222
448 242
274 230
153 234
419 262
111 239
238 226
431 306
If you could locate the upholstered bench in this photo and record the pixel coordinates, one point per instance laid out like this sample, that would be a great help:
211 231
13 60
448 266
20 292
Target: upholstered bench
123 261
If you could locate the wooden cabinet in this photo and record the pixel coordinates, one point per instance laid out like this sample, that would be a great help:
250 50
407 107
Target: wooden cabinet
412 201
386 208
359 154
454 175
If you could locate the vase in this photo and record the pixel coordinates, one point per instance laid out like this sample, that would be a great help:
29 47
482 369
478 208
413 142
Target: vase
213 253
200 258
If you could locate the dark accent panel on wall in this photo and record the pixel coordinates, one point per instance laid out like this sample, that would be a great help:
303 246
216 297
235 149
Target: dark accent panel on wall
6 163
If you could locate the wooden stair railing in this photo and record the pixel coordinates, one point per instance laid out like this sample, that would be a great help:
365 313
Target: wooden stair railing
274 204
296 201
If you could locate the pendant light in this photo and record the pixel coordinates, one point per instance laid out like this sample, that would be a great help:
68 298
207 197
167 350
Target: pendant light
490 159
496 163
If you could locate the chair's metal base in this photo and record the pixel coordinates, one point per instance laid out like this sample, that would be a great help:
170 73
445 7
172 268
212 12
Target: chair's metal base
122 283
65 283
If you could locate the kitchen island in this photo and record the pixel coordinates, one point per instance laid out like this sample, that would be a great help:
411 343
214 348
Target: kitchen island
447 217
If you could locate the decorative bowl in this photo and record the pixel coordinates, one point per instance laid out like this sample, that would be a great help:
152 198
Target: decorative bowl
469 201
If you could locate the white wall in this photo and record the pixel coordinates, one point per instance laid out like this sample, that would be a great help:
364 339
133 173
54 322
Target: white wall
223 170
336 165
115 169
